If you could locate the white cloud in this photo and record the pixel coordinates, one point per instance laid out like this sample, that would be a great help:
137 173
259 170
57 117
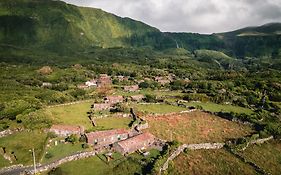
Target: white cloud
200 16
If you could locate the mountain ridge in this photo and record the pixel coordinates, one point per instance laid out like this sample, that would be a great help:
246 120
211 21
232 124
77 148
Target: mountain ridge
62 28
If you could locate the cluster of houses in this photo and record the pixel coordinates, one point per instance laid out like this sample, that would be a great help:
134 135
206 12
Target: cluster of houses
120 140
101 81
106 80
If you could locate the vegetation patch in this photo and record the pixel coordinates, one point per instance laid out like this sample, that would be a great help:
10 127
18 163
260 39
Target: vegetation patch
112 123
203 162
158 108
20 144
61 150
266 156
75 114
196 127
213 107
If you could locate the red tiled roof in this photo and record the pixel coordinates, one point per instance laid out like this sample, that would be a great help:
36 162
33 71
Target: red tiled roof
66 128
136 141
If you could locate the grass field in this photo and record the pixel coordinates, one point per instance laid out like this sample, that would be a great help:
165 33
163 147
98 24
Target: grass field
212 107
203 162
158 108
267 156
75 114
150 92
98 165
21 143
195 127
4 162
112 123
61 150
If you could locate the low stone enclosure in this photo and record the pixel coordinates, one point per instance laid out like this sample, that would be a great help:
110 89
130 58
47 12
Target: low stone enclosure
181 148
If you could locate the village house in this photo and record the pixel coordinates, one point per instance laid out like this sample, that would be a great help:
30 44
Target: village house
106 138
104 80
139 142
114 99
91 83
132 88
66 130
101 106
137 98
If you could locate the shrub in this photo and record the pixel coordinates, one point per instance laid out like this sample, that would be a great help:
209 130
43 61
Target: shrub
48 155
72 139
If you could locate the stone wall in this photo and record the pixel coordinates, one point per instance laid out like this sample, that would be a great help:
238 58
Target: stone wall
191 147
55 164
9 132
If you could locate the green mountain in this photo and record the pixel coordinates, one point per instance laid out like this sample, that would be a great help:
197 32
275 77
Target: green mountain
54 26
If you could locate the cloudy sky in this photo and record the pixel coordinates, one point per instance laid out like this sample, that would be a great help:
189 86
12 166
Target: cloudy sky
199 16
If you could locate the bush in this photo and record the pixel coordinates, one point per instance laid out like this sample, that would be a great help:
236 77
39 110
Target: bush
72 139
48 155
85 146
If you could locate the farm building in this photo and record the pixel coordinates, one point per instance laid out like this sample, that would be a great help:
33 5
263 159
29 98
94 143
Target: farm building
132 88
105 138
101 106
139 142
66 130
114 99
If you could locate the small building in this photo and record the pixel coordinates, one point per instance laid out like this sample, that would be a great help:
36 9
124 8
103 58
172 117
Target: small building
91 83
106 138
114 99
132 88
101 106
104 80
137 98
139 142
46 84
66 130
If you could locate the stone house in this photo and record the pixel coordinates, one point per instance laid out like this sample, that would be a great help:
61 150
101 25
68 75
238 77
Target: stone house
114 99
101 106
137 98
139 142
106 138
132 88
104 80
66 130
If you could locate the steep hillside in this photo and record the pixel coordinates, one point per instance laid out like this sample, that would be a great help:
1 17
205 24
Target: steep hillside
56 26
258 41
